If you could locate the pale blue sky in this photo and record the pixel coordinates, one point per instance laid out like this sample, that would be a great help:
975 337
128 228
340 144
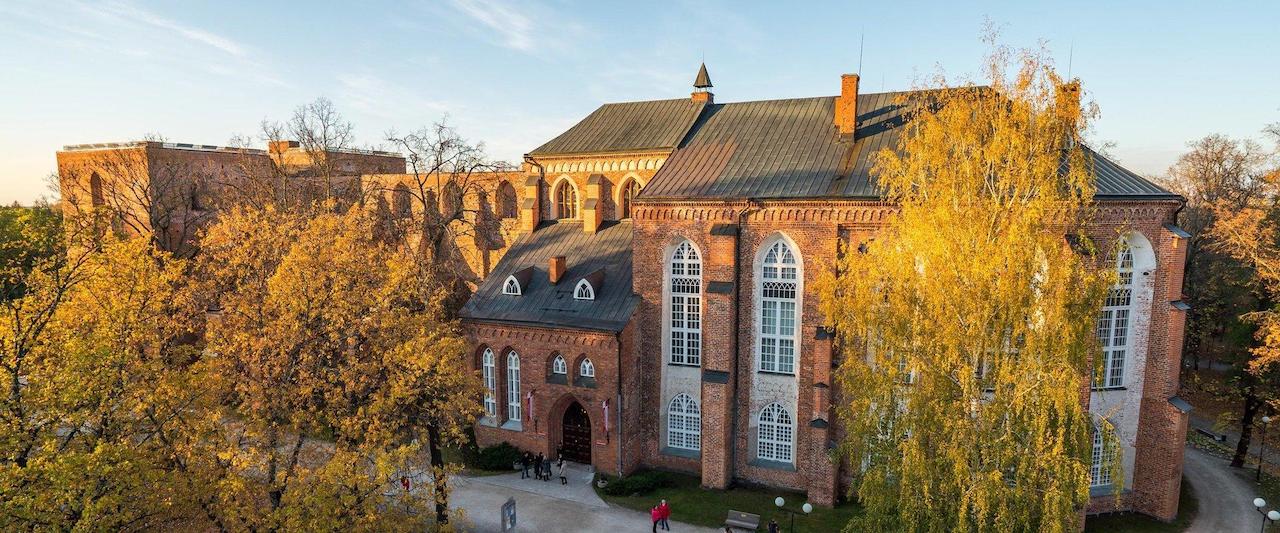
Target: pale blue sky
515 73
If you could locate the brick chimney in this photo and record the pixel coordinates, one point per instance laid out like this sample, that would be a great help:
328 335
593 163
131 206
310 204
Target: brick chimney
555 269
847 106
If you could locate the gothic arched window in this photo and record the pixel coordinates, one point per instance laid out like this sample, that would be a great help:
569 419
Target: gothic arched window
774 440
684 306
779 287
684 423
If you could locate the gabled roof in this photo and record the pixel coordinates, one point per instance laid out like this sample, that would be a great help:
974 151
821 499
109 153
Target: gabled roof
626 127
605 254
790 149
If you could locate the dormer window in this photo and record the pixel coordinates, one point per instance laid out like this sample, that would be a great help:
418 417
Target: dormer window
584 291
516 284
511 286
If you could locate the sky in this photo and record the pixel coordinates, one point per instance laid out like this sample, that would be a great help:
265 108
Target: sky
513 74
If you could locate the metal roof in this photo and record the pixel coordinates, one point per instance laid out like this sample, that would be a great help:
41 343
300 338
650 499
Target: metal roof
790 149
605 256
626 127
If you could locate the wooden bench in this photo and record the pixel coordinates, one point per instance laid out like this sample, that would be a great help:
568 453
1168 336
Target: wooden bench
739 519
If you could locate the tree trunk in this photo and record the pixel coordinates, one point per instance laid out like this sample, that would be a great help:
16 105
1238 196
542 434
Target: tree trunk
441 485
1251 405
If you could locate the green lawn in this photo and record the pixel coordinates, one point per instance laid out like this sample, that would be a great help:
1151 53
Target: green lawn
1138 523
690 503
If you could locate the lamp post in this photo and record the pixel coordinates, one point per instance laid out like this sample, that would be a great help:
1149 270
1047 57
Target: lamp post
806 508
1267 516
1262 450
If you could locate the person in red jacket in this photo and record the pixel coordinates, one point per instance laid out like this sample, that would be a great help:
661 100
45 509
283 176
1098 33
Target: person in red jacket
655 515
664 514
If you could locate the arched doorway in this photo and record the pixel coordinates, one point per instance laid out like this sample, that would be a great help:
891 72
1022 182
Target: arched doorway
576 434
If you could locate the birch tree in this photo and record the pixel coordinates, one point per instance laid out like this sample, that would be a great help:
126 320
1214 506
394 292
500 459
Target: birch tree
967 324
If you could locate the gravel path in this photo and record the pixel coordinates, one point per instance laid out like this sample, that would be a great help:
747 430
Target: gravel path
1225 494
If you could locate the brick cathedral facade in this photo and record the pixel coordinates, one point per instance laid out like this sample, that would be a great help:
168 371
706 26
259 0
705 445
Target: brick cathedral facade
720 366
642 283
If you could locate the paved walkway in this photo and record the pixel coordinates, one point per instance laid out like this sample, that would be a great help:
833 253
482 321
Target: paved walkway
547 506
1225 494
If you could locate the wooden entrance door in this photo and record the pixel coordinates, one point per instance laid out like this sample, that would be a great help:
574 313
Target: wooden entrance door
576 445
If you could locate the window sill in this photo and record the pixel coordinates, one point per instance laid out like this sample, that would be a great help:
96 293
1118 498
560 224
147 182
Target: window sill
512 425
680 452
1107 389
684 365
488 421
772 465
1105 490
775 373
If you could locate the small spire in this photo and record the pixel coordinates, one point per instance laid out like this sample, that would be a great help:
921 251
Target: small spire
703 81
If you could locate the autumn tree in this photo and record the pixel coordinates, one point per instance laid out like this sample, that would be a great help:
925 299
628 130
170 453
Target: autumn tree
321 169
1238 271
444 200
336 371
97 358
967 323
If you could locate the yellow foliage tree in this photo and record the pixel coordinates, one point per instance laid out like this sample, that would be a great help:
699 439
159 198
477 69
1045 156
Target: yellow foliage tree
968 322
99 358
334 371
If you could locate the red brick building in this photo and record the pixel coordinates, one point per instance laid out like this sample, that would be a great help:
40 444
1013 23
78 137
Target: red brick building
654 311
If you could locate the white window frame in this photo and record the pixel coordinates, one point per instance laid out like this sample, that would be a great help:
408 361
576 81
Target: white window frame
684 423
684 306
558 366
586 369
1105 448
513 386
584 291
511 286
775 434
777 333
489 371
1115 323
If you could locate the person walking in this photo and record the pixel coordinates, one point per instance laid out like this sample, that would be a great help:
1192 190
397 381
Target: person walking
773 526
654 516
524 465
563 479
537 466
664 513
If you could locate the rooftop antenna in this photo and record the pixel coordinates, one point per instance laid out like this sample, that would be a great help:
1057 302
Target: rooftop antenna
862 39
1071 55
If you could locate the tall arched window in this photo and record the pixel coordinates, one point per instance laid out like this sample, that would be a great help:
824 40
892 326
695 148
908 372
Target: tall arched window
451 201
684 423
96 197
1113 323
685 306
513 386
400 201
566 200
628 194
778 287
774 441
490 384
507 201
1104 454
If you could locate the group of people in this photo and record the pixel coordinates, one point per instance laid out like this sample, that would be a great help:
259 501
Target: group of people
541 467
660 515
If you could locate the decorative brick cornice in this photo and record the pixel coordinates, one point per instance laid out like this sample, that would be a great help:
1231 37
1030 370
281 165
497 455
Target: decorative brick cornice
483 332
